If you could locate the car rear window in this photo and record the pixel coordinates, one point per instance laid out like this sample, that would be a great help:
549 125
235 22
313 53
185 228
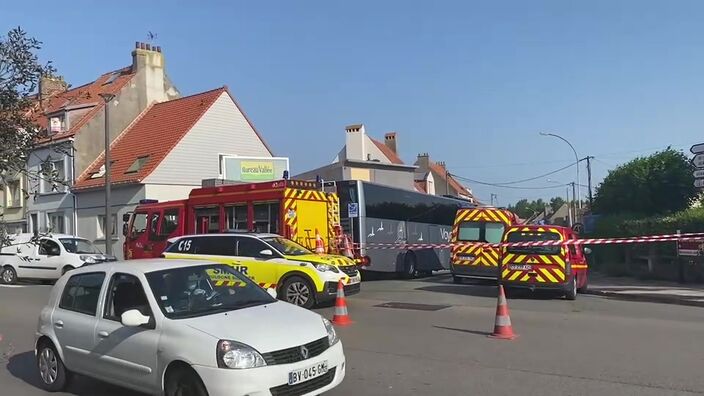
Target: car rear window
480 231
533 236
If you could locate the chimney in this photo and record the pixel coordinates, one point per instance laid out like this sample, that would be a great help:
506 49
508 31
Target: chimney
390 141
442 165
51 85
423 161
148 65
355 136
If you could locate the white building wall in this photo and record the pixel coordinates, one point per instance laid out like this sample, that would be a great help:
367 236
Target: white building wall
222 130
163 192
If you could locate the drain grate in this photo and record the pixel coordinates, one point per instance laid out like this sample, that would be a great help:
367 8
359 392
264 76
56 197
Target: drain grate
411 306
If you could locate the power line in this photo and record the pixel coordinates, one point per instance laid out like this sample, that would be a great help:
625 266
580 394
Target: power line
522 180
508 186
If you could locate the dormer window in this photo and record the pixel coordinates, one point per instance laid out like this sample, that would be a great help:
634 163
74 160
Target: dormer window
57 124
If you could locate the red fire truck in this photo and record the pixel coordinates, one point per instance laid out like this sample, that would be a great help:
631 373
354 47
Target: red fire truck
298 210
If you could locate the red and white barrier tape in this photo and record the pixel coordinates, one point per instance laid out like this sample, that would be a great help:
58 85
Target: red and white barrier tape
691 237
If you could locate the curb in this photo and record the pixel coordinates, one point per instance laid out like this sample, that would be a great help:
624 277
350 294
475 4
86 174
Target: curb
672 300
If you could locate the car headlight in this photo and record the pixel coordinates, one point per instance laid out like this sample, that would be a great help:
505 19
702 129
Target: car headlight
332 334
88 259
234 355
325 267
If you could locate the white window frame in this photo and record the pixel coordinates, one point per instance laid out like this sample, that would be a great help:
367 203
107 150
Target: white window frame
50 223
10 201
100 222
44 185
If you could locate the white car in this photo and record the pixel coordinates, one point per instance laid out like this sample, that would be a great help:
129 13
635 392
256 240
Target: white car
46 257
165 327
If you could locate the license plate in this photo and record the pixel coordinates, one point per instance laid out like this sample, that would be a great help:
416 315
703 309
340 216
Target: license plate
355 279
466 258
516 267
303 375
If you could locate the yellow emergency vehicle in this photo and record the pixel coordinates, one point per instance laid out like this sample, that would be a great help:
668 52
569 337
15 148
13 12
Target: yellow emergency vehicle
299 276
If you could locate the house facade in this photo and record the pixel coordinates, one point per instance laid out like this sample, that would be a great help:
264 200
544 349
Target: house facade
75 125
165 153
365 158
434 178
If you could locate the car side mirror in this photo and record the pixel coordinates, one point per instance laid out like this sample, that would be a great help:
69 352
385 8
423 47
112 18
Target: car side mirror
587 250
266 253
272 292
134 318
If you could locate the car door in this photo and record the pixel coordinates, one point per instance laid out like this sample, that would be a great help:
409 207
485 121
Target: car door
74 319
124 354
51 257
258 267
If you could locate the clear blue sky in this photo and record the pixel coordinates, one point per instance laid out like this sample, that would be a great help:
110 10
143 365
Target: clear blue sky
472 83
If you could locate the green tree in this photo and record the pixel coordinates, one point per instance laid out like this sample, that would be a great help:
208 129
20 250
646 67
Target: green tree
656 184
556 203
526 209
20 73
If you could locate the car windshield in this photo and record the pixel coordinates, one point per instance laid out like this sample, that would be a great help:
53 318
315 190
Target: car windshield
80 246
287 246
530 236
188 292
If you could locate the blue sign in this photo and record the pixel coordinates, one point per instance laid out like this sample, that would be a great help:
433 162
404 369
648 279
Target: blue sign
352 210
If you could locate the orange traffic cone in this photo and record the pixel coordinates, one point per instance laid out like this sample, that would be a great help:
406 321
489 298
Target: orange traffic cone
502 325
347 248
341 317
319 246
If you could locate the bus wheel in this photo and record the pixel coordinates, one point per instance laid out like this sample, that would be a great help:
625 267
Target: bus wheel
571 292
298 291
409 269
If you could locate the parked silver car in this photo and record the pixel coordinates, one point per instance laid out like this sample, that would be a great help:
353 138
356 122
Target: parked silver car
167 327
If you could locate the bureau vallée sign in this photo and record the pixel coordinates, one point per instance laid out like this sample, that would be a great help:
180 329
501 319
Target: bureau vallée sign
257 170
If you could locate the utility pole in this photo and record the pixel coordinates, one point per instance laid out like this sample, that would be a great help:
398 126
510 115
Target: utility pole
107 97
589 181
447 182
494 196
574 205
569 205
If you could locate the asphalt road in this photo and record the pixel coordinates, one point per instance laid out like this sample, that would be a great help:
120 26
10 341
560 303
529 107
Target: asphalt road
590 346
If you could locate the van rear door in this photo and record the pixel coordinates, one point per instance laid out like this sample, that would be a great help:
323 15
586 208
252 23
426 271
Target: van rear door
535 264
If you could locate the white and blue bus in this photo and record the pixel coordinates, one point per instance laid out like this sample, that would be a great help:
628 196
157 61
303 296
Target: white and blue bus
383 220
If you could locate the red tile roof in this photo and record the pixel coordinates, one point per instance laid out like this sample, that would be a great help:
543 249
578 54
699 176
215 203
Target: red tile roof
421 186
154 133
393 157
85 95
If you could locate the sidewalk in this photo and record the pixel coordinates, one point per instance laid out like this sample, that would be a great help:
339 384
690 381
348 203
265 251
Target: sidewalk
646 290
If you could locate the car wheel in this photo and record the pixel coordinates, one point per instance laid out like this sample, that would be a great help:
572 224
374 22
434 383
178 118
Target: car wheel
184 382
67 269
52 372
571 292
410 269
456 280
298 291
8 275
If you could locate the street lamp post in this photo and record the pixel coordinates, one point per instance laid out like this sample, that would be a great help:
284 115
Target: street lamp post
576 159
107 97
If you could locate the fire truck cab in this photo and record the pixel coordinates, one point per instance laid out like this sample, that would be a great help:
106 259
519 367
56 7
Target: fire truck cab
297 210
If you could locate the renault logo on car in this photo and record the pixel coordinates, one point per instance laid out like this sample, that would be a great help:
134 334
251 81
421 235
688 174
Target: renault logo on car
304 352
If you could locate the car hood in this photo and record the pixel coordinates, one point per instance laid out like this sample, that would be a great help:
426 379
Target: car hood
323 259
266 328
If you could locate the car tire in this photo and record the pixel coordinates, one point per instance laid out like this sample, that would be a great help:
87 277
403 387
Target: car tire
53 375
184 381
585 286
410 269
571 292
456 280
298 291
8 276
67 269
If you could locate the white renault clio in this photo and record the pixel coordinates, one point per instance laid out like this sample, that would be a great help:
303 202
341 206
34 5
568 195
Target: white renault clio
166 327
